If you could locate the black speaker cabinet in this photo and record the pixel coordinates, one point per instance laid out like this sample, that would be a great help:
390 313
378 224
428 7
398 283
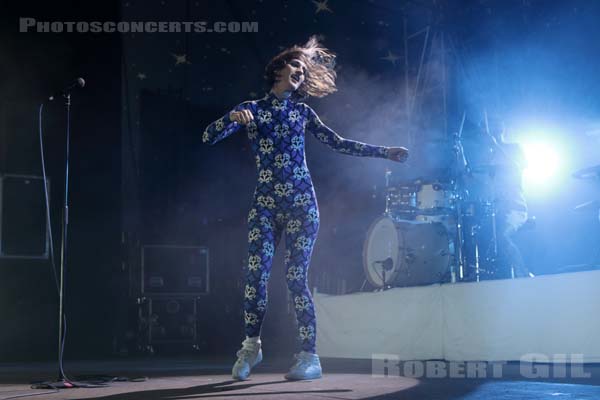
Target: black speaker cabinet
174 271
23 228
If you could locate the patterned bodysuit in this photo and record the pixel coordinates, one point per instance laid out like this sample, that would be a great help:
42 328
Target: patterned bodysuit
284 201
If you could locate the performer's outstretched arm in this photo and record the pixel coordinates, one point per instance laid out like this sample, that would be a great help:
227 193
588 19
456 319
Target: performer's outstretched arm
326 135
224 126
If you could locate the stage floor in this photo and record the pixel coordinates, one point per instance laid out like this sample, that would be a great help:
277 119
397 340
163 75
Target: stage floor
343 379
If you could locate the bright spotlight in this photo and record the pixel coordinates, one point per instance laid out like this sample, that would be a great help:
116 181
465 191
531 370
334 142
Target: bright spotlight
543 164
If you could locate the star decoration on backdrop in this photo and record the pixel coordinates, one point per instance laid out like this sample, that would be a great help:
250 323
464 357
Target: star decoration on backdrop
322 6
141 76
180 59
391 57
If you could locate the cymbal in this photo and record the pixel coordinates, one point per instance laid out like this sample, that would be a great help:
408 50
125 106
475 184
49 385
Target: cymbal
484 168
588 173
592 205
494 169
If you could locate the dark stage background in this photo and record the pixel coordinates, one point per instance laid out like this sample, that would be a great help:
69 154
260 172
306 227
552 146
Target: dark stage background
141 176
33 66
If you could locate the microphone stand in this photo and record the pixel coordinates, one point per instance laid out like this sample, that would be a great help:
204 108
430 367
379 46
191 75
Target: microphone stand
62 381
63 248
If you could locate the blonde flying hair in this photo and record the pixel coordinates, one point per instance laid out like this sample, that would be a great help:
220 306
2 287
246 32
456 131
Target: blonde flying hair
319 80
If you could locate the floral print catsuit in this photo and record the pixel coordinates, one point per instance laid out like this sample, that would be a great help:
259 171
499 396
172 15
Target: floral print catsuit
284 201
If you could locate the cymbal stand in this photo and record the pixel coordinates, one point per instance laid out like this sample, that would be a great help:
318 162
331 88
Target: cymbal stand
461 168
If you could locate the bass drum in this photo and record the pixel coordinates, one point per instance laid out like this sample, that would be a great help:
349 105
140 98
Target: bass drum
407 253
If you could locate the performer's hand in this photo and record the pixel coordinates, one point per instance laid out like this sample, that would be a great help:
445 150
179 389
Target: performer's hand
243 117
399 154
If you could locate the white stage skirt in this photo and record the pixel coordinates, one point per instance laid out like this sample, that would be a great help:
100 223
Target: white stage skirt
496 320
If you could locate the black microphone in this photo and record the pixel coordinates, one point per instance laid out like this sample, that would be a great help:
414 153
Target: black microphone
387 264
79 82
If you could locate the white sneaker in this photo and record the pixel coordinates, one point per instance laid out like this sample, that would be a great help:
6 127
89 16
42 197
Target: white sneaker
307 366
248 356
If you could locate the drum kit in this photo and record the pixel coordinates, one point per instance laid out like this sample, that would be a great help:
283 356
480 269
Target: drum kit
438 231
433 231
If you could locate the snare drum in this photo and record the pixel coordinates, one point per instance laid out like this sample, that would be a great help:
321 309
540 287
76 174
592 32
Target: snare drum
434 198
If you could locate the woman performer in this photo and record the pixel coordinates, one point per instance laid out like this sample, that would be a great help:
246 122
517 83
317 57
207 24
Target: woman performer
284 199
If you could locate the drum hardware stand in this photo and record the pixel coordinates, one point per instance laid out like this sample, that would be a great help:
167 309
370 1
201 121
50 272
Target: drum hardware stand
493 258
477 271
388 176
495 242
362 287
465 169
385 286
459 248
386 265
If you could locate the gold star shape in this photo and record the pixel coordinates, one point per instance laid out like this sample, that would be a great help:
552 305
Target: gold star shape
391 57
180 59
141 76
321 6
